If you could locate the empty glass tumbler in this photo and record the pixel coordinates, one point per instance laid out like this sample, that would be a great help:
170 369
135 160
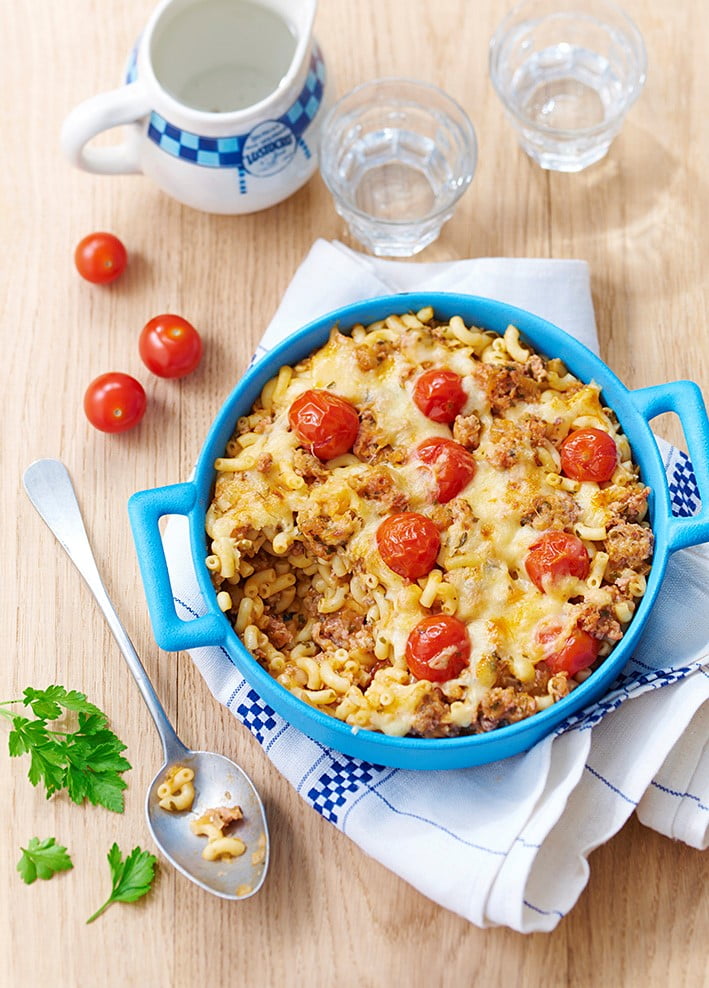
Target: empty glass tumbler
397 155
567 72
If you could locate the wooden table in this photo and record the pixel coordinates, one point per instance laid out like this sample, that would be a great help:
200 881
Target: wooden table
328 915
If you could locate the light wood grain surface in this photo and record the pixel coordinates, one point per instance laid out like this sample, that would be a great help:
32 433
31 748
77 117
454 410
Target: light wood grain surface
328 915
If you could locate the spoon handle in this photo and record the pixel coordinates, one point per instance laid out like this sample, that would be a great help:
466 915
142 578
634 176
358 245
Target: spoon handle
50 490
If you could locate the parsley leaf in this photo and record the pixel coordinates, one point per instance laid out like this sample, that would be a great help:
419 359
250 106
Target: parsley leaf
42 859
87 761
131 878
47 703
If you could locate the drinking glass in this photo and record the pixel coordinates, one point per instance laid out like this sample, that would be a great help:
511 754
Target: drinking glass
567 72
397 155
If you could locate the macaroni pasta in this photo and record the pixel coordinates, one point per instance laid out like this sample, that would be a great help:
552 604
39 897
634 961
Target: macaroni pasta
293 551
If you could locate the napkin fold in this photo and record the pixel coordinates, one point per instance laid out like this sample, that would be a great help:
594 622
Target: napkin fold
507 843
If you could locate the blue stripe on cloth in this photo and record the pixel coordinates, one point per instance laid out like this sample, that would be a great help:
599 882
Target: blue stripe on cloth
681 795
193 612
190 610
543 912
422 819
626 684
615 789
643 665
284 727
325 754
527 845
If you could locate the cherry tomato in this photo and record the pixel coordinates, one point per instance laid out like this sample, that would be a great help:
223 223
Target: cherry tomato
439 395
452 465
114 402
589 454
326 423
438 648
554 556
577 651
409 543
100 258
170 346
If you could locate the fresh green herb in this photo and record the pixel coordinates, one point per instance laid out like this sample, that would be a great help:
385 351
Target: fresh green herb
87 761
42 859
131 878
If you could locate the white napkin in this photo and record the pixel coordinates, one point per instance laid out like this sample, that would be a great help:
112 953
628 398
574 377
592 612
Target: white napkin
507 843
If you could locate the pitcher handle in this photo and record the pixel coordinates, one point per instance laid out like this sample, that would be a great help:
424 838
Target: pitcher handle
119 106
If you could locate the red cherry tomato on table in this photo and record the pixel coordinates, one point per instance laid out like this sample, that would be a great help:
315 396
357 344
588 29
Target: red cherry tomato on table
100 258
589 454
554 556
409 543
439 395
324 422
452 465
569 654
115 402
170 346
438 648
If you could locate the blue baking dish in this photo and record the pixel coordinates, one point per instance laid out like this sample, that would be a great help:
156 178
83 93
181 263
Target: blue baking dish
635 409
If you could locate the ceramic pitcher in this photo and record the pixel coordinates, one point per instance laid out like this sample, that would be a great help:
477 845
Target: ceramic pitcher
222 102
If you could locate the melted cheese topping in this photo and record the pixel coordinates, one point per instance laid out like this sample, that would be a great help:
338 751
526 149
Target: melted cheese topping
294 552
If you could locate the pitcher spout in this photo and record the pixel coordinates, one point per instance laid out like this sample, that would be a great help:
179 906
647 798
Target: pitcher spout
299 15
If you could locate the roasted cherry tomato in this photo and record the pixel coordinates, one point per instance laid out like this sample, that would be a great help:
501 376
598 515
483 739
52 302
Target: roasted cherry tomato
408 544
452 465
326 423
114 402
589 454
569 654
170 346
438 648
439 395
554 556
100 258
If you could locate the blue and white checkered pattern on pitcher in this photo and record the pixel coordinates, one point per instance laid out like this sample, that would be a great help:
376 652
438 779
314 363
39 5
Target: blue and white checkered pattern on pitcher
212 152
238 150
229 152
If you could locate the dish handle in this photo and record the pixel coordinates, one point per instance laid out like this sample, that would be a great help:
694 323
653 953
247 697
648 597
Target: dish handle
145 509
684 399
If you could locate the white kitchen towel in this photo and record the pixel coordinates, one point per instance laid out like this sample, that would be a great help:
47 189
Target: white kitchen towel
506 843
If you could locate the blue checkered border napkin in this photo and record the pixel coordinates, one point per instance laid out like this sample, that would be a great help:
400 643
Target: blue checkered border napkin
334 783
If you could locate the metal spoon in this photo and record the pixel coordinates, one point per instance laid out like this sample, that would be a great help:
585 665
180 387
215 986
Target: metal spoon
218 781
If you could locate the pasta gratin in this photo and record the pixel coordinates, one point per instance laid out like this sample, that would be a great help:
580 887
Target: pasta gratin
428 529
